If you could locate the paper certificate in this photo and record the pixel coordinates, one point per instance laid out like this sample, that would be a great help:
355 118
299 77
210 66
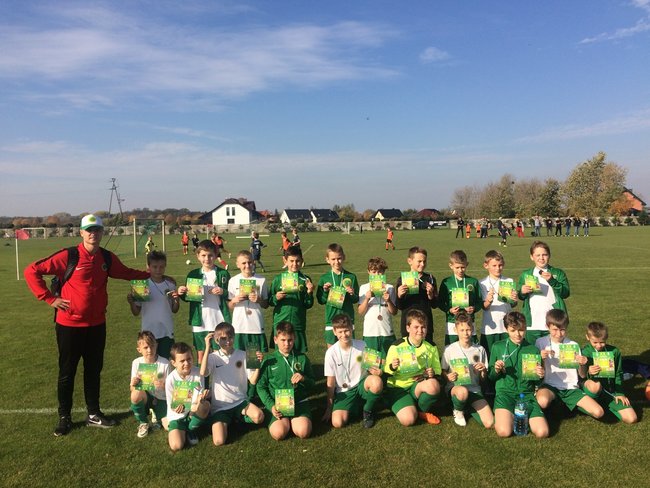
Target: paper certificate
459 298
285 401
412 280
377 284
371 359
336 296
569 356
194 290
461 366
140 290
246 286
533 282
290 282
529 363
605 359
408 361
183 393
148 373
506 288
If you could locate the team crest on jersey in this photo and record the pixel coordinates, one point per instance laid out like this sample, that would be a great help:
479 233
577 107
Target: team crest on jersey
359 358
104 267
346 282
470 287
297 367
239 364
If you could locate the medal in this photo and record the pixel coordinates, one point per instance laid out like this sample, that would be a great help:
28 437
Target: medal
379 317
345 385
248 312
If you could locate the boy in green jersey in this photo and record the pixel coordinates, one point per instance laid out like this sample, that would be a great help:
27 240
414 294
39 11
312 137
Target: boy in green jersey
506 369
458 292
413 366
606 387
291 304
338 290
286 379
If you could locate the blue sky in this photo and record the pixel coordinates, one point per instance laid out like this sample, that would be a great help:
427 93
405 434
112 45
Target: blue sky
303 103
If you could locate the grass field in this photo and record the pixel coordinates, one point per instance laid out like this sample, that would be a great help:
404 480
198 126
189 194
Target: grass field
609 274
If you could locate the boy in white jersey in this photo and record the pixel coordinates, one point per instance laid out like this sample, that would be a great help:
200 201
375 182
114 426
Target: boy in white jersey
542 288
162 302
187 404
465 365
208 307
563 363
148 374
377 308
226 368
350 388
499 295
248 296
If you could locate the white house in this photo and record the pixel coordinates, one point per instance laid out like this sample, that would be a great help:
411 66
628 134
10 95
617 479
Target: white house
387 214
289 214
238 211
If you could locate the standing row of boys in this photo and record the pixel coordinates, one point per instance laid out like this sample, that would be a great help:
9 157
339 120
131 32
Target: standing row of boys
519 353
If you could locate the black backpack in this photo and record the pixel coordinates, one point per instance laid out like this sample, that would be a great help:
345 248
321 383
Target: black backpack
73 260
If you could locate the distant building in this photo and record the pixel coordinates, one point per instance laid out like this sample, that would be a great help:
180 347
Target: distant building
427 213
636 205
238 211
387 214
304 215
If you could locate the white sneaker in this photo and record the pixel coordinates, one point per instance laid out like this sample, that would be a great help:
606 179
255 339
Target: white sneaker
143 430
192 440
459 418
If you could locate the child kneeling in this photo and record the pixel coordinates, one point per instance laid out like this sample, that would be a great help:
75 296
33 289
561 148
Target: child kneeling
412 364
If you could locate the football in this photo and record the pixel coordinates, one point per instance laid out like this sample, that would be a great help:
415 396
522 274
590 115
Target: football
188 262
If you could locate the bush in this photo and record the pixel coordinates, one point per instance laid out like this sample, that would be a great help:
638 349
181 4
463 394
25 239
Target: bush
603 222
643 218
629 221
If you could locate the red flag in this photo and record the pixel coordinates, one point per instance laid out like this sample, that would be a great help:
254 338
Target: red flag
22 234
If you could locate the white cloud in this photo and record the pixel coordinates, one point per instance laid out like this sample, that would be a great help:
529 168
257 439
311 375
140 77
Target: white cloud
634 122
433 55
641 25
99 56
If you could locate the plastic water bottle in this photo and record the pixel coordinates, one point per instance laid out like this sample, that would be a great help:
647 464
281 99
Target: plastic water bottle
520 426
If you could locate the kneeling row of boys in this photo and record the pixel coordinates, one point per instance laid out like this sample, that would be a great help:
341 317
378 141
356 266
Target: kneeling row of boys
412 385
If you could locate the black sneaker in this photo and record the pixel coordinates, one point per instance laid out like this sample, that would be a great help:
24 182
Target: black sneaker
65 426
368 419
99 420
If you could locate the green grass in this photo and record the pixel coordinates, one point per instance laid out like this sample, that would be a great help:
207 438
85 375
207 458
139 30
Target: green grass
609 277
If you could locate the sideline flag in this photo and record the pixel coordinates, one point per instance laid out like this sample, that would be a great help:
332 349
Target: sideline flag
22 234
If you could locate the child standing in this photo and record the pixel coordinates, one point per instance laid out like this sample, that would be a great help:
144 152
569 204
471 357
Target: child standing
350 389
499 295
507 369
605 384
389 239
291 295
247 298
226 368
149 245
560 378
256 250
542 288
471 361
426 297
163 301
412 365
185 241
286 378
148 375
210 307
286 244
338 290
187 404
458 292
377 309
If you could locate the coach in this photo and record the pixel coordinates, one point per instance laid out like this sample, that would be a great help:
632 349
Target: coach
80 315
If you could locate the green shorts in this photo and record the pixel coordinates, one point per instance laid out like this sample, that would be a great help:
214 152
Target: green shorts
164 346
351 400
471 397
158 406
302 409
533 335
398 398
507 401
199 341
606 401
231 415
488 339
380 343
191 423
569 397
242 340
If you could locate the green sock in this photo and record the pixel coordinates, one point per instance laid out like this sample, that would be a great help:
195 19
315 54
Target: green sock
371 399
426 401
140 411
458 404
